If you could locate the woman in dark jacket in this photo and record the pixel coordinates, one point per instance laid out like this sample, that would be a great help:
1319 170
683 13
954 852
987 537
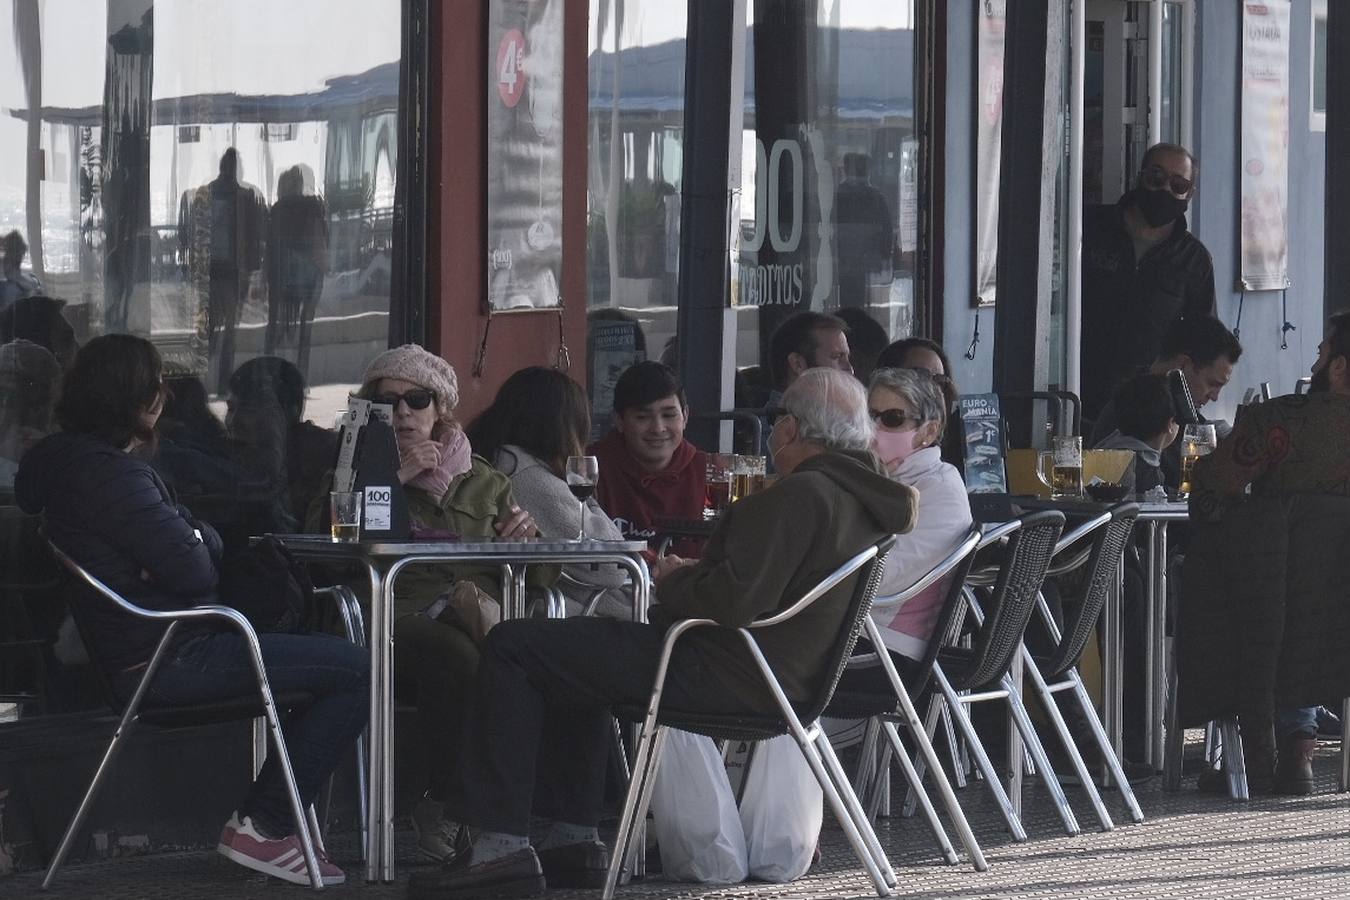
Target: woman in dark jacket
109 510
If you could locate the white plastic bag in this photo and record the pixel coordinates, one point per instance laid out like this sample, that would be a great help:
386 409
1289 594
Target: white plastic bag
694 813
781 811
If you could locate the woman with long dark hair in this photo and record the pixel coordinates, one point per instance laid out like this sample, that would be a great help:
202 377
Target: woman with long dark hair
538 419
109 510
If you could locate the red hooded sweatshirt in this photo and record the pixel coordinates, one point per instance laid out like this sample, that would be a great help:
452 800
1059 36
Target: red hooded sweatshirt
636 498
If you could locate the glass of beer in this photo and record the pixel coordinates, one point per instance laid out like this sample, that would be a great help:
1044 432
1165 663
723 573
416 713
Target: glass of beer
344 514
747 476
717 484
1196 441
1066 467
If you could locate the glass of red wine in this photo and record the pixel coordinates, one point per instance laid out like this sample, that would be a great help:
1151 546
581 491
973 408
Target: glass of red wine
582 473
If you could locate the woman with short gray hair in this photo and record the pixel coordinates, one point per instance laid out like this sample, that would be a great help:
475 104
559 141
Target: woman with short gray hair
908 408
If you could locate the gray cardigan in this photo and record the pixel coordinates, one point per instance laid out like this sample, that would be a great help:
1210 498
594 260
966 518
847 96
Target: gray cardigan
558 515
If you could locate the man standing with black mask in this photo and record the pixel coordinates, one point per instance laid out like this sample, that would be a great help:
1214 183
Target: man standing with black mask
1142 270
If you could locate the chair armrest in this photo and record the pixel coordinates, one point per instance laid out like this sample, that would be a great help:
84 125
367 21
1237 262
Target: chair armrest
953 559
998 533
1081 531
820 589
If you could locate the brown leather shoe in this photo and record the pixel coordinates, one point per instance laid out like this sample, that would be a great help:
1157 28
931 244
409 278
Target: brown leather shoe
1293 770
514 875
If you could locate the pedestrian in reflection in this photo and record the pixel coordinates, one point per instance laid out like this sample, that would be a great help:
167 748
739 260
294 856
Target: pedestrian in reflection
39 319
220 233
30 378
14 281
864 233
296 261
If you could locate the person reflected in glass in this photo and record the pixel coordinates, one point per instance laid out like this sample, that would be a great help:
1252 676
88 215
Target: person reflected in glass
864 230
15 283
30 380
539 418
448 488
296 262
108 509
648 470
40 319
221 229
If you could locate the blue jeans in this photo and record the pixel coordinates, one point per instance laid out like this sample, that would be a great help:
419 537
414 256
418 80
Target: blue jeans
1292 719
216 667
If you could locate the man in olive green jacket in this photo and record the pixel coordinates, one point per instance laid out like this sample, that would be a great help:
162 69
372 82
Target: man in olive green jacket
545 687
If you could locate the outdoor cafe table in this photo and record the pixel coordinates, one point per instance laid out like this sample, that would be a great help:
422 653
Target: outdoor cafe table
1155 516
383 562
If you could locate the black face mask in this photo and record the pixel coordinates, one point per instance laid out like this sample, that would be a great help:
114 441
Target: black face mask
1321 380
1159 207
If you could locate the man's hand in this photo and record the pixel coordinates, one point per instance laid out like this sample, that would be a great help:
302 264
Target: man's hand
516 524
417 459
667 564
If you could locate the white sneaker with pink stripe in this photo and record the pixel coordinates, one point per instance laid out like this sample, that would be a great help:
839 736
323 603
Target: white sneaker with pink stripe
282 858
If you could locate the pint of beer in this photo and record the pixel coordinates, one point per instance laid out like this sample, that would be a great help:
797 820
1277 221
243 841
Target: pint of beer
747 477
1196 441
1066 466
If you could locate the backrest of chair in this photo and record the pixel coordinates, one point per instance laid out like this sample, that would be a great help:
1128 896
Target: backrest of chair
946 628
859 606
1108 548
1029 551
99 587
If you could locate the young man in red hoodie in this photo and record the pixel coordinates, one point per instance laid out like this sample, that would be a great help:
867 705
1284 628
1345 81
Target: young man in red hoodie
648 471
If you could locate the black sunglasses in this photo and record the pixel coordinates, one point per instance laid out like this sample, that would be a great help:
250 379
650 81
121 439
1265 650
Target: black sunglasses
419 398
893 418
1156 177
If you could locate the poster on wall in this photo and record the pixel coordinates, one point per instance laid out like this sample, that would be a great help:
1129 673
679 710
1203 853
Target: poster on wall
524 155
988 145
1265 146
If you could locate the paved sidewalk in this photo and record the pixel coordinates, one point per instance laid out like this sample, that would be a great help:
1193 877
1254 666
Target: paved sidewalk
1190 846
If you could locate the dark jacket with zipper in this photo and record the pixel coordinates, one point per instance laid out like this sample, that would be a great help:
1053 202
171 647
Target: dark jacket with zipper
113 514
769 549
1129 303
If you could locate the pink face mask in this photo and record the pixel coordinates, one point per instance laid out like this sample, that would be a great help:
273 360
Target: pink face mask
894 447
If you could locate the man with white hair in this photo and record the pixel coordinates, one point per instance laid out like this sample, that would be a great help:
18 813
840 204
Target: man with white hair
551 683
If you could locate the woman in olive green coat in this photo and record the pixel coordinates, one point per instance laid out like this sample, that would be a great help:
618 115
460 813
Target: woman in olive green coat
448 487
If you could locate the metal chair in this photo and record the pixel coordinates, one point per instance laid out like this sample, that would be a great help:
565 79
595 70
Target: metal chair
750 419
1059 671
963 676
1066 410
787 719
885 711
265 704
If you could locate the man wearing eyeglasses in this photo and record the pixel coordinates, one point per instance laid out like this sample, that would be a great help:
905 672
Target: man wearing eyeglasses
1142 270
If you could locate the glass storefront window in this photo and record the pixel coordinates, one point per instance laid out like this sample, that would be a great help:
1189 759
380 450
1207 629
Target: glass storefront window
218 177
635 151
829 201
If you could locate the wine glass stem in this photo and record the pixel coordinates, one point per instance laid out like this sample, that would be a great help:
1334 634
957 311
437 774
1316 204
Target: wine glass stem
581 534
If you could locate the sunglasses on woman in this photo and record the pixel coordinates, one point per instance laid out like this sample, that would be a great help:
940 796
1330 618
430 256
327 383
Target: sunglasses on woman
417 399
893 418
1156 178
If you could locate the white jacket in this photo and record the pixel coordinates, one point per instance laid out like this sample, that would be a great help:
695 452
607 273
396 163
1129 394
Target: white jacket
943 520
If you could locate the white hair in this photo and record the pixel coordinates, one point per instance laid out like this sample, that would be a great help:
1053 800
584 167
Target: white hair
830 407
919 388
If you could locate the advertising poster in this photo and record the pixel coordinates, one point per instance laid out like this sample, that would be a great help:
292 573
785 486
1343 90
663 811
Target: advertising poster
524 154
614 347
988 145
1265 146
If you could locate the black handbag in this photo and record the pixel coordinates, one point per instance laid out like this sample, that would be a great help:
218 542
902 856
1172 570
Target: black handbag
268 585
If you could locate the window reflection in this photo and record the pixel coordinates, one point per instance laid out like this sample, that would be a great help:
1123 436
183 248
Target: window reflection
220 177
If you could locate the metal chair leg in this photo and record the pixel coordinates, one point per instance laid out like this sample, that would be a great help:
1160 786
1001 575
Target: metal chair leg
911 776
645 760
994 783
1104 747
1032 742
1234 761
1051 707
856 827
936 709
1344 783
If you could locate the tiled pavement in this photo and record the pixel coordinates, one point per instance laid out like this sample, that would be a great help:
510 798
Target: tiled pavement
1190 846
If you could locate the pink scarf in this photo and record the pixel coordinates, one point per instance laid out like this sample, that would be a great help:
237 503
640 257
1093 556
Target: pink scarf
455 461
